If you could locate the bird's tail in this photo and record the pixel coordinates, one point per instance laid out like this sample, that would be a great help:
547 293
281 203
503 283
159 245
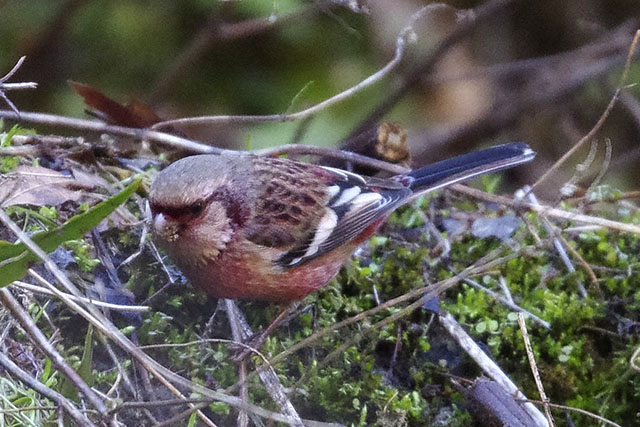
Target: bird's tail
461 168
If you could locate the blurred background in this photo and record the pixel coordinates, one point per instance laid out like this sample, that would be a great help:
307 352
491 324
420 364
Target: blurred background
474 73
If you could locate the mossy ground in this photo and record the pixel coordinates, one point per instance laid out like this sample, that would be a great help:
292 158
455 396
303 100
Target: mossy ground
399 373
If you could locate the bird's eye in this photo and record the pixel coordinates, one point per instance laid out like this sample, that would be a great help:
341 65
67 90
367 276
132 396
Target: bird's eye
196 208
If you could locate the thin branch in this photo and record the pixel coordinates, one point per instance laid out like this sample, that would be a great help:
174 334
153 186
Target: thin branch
489 366
601 120
36 385
47 348
236 333
534 368
557 243
101 127
268 377
14 86
547 210
110 306
405 35
633 361
11 72
333 153
578 410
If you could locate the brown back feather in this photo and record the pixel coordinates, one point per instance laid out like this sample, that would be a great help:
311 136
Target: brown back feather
290 200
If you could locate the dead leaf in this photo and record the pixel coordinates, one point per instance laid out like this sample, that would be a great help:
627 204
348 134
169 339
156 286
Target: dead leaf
137 116
89 180
37 186
134 114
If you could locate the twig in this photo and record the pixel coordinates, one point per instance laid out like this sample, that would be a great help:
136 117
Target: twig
36 385
243 419
601 120
534 368
488 365
45 291
580 411
505 289
268 377
333 153
547 210
605 164
401 42
47 348
14 86
97 126
633 361
557 243
585 265
473 18
13 70
580 170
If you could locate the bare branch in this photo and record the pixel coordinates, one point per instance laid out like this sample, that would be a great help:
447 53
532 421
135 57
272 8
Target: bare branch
578 410
489 366
101 127
187 144
47 348
334 153
28 380
11 72
510 304
547 210
14 86
115 307
405 35
603 117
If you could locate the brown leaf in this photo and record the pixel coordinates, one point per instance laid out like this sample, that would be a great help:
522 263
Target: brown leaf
88 180
29 185
135 115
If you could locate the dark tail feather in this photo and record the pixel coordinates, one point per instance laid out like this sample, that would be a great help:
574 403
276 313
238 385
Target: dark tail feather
456 169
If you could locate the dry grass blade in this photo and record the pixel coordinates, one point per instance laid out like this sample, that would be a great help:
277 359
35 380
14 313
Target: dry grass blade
27 379
603 117
488 365
534 368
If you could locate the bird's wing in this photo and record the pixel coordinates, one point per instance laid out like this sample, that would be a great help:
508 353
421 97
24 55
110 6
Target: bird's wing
308 210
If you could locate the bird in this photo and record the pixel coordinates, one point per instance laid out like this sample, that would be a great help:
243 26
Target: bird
242 226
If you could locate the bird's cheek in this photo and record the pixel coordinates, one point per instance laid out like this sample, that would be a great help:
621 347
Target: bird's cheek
164 229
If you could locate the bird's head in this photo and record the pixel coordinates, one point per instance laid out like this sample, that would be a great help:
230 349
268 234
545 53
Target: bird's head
197 205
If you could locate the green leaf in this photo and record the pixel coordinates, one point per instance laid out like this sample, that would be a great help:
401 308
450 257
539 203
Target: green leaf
15 258
87 358
6 140
193 420
46 371
67 388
